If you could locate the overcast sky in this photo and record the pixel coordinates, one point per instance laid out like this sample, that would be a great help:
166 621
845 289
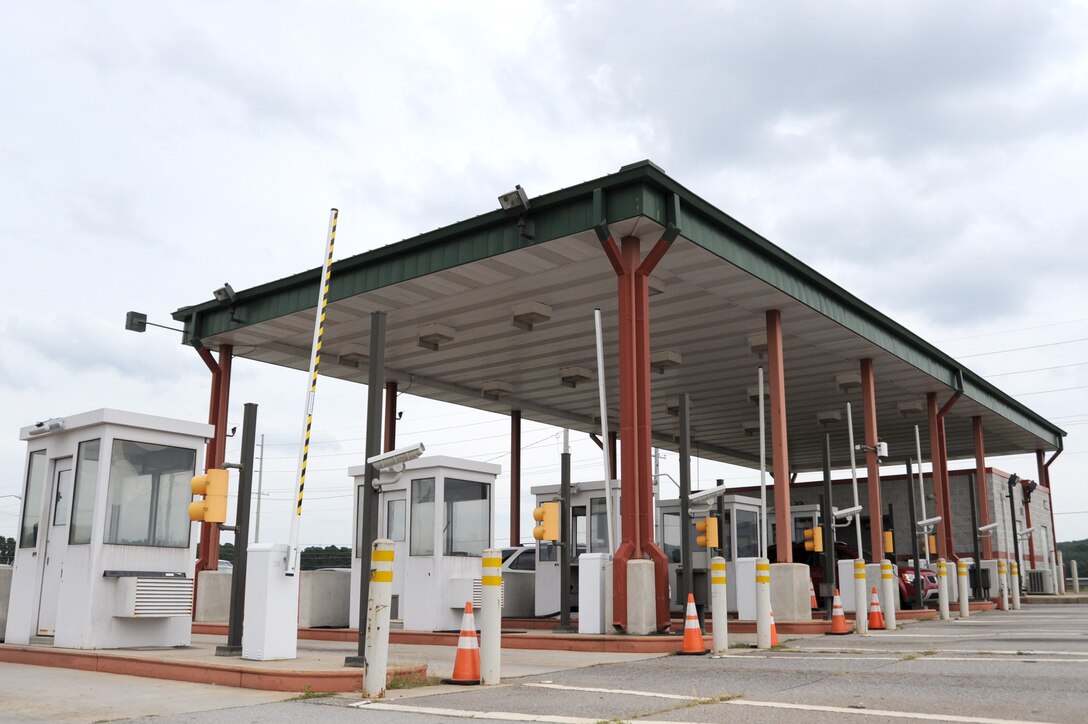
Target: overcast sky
932 158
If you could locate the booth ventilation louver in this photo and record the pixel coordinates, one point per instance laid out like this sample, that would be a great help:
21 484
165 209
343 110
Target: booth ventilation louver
154 597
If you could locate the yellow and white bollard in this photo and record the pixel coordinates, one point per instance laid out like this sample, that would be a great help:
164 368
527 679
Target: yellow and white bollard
889 592
1014 571
376 649
763 603
942 589
491 617
861 618
965 589
1003 584
719 606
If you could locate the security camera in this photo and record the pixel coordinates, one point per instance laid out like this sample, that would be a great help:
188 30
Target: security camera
393 458
929 522
988 528
881 451
846 512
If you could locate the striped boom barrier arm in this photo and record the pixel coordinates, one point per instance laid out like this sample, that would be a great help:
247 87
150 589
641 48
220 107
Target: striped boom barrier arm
315 363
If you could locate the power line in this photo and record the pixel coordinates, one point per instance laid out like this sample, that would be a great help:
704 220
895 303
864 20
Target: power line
1010 331
1021 349
1043 392
1037 369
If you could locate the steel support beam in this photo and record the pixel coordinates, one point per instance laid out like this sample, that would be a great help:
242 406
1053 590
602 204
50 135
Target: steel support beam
636 469
515 478
217 447
780 456
982 488
868 408
946 490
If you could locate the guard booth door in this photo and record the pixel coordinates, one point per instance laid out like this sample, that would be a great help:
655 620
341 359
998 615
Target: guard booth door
56 539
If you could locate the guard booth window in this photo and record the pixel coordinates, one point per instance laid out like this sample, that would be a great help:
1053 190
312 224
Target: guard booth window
670 536
147 501
83 494
747 534
725 534
422 518
32 500
468 518
578 528
598 526
394 520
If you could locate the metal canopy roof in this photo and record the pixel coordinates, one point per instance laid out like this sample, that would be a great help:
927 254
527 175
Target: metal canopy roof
716 283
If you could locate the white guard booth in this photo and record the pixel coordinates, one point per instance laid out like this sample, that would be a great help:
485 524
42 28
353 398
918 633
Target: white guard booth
738 538
438 514
105 551
588 516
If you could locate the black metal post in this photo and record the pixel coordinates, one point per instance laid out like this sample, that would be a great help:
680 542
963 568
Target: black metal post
1013 479
368 514
687 582
975 536
912 511
565 539
830 574
241 535
728 555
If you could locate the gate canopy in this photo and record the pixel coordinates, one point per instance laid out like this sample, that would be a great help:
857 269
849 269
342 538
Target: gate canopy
496 313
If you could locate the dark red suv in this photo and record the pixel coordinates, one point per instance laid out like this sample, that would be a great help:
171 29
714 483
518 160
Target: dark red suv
815 563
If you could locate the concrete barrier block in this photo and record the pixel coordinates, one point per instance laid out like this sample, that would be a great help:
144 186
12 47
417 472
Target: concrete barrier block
324 598
212 597
789 592
641 603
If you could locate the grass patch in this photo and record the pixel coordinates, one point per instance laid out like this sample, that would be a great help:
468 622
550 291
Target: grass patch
412 682
309 693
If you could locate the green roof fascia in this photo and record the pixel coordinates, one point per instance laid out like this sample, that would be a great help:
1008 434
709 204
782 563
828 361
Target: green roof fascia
551 216
984 393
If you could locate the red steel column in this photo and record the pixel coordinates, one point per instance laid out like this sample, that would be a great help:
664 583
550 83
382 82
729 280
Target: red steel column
636 483
982 487
943 550
644 453
946 489
390 416
515 478
216 450
1045 482
780 457
876 510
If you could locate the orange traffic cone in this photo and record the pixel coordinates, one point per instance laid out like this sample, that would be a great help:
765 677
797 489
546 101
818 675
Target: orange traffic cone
774 631
838 618
876 616
812 602
466 666
693 635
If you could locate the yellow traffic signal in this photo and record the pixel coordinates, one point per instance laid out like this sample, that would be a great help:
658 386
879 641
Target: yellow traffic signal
213 486
547 522
814 540
708 530
889 542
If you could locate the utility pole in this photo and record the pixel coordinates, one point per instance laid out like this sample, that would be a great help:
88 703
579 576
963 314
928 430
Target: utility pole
260 479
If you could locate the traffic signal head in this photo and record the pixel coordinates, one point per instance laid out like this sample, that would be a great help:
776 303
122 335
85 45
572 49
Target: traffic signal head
814 539
213 486
707 528
889 542
547 522
932 542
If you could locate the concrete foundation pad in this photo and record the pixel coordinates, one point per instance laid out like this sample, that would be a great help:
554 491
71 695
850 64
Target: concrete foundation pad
789 592
641 603
212 596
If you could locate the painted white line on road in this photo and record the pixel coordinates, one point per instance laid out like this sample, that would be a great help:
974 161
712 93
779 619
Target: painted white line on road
980 652
1004 635
1029 659
625 692
877 712
806 657
469 714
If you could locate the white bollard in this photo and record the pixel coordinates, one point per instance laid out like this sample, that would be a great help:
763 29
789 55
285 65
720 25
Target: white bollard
376 649
763 603
1003 584
861 619
1061 573
1015 577
942 589
719 606
965 589
491 617
890 592
1073 574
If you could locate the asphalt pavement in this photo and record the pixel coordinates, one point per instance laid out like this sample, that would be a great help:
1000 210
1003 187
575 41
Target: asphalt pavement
1029 665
